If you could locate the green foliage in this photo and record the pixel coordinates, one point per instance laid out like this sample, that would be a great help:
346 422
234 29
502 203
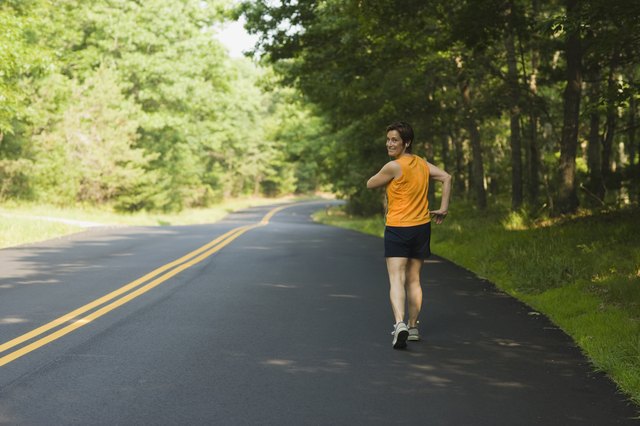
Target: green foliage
20 56
14 177
137 105
443 67
339 80
171 66
303 141
208 127
96 132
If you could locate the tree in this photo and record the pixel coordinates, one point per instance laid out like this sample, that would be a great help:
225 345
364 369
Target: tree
138 107
96 133
485 85
520 59
20 55
567 192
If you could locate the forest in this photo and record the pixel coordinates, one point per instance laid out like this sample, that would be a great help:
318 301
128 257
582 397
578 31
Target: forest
137 106
532 103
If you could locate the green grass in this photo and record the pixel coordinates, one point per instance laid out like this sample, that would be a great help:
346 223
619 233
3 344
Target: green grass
15 230
583 272
22 223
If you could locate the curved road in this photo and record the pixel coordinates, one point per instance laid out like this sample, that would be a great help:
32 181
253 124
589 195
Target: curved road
284 322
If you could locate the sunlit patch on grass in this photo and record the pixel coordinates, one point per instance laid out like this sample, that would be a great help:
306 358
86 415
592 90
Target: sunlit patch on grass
515 221
456 227
587 248
16 231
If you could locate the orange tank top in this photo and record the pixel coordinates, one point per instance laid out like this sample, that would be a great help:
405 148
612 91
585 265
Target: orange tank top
407 202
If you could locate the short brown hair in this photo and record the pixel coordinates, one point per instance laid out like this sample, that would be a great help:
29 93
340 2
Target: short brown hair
406 133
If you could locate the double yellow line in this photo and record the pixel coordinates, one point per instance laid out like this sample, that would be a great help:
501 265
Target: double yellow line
122 295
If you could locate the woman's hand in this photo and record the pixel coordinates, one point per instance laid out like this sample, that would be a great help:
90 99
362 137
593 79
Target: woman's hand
439 215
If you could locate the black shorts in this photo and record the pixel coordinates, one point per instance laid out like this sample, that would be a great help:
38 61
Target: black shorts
412 242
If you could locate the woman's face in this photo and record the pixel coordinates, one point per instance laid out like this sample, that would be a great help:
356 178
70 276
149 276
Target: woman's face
395 147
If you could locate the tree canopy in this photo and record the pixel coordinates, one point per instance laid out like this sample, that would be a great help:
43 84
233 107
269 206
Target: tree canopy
137 105
495 90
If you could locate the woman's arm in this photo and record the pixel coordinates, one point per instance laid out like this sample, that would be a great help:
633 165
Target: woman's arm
440 175
387 173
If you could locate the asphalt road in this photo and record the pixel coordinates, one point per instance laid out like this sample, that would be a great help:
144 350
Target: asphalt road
287 323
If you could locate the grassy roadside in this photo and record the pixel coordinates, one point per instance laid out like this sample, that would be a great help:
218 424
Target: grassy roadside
25 223
582 272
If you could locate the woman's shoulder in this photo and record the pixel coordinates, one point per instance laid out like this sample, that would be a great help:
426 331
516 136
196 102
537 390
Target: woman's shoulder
422 160
392 167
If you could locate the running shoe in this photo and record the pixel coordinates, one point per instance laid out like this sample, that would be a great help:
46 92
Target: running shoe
400 335
414 334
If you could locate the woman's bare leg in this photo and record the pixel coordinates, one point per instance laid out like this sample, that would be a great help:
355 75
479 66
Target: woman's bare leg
397 269
413 290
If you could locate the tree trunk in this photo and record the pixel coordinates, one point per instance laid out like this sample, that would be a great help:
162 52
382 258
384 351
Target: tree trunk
458 171
610 126
594 149
631 133
446 141
477 178
514 118
533 157
533 186
567 194
635 169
